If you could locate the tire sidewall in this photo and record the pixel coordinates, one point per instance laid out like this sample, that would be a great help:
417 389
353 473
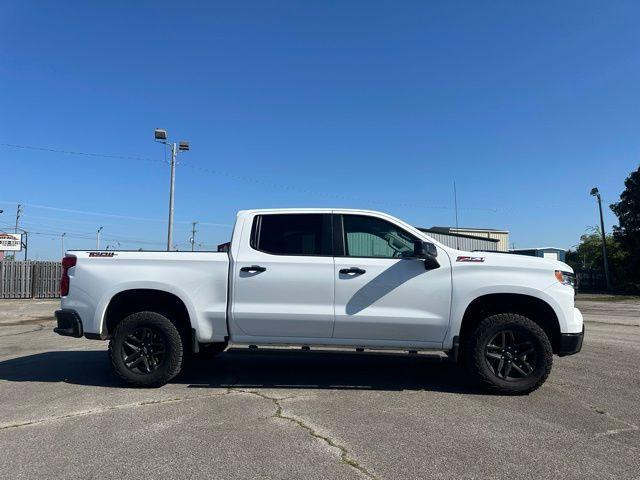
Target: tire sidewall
494 324
172 361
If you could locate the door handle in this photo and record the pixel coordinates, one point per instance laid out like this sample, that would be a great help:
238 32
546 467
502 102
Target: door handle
354 270
253 269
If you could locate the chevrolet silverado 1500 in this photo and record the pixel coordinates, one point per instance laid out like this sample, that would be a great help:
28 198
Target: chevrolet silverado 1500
324 277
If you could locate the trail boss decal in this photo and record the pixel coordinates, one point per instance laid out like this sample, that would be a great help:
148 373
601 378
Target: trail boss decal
470 259
101 254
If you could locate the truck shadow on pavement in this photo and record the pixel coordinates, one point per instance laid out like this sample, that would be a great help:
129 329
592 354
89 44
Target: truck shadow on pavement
264 368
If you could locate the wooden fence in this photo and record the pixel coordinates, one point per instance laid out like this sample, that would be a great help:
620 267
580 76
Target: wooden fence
30 279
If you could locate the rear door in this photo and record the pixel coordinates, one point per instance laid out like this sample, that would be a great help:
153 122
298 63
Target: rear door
382 293
283 282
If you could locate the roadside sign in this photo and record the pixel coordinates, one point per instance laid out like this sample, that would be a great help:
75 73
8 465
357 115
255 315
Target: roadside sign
10 242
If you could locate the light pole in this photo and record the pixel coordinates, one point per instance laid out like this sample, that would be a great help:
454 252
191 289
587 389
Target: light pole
62 241
98 238
161 136
596 193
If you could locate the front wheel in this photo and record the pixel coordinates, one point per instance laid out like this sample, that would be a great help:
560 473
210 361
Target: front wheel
146 350
509 353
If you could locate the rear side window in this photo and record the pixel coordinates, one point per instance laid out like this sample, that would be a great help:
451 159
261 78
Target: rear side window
292 234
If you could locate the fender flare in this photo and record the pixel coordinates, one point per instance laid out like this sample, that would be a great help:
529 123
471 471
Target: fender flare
106 299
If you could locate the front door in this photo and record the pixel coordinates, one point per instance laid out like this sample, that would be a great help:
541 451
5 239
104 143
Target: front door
283 279
381 292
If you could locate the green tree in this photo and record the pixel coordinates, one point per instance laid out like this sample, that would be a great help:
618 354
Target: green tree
588 254
627 232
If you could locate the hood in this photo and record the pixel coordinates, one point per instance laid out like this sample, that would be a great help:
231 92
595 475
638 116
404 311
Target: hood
511 259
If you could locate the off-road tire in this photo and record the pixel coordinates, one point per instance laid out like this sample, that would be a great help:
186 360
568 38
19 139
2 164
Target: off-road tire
167 368
475 348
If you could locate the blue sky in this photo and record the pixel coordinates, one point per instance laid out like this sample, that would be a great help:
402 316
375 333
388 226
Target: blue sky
378 105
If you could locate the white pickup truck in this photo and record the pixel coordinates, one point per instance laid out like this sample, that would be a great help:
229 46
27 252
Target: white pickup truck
324 277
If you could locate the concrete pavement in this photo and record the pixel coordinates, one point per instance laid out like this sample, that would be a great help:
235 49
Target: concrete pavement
294 414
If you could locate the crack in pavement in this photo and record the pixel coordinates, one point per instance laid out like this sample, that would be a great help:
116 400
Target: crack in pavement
97 411
39 329
629 427
342 450
29 321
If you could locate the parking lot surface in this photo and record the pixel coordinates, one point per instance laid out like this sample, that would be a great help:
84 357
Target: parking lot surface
275 413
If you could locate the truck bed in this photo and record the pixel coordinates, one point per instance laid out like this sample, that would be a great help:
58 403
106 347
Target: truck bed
198 279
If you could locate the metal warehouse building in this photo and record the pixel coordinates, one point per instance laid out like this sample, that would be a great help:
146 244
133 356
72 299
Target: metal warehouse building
544 252
470 239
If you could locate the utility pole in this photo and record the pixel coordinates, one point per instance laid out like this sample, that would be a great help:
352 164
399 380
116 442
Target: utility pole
161 136
18 215
455 199
596 193
98 238
193 235
62 240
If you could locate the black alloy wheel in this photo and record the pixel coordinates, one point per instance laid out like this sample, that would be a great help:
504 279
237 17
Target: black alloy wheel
143 350
146 349
511 355
508 353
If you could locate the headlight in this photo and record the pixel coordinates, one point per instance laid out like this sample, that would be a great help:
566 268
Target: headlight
566 278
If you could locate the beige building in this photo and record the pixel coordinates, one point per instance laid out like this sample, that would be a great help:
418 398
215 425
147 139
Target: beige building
502 236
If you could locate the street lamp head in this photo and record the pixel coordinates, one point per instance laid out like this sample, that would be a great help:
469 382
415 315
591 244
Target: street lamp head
594 191
183 146
160 134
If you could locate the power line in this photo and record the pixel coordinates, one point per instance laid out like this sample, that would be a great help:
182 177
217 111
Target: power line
62 220
248 179
257 181
71 152
110 215
84 235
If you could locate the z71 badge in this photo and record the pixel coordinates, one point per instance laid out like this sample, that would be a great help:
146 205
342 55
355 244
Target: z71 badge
470 259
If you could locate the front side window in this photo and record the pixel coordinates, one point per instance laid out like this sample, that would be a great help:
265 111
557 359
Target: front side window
292 234
374 237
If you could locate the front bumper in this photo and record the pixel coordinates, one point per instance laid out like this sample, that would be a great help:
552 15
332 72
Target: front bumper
570 343
69 323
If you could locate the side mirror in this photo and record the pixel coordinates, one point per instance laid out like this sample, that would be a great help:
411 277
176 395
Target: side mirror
424 249
428 252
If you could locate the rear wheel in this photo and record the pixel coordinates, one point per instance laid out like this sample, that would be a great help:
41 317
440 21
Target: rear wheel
509 353
146 349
